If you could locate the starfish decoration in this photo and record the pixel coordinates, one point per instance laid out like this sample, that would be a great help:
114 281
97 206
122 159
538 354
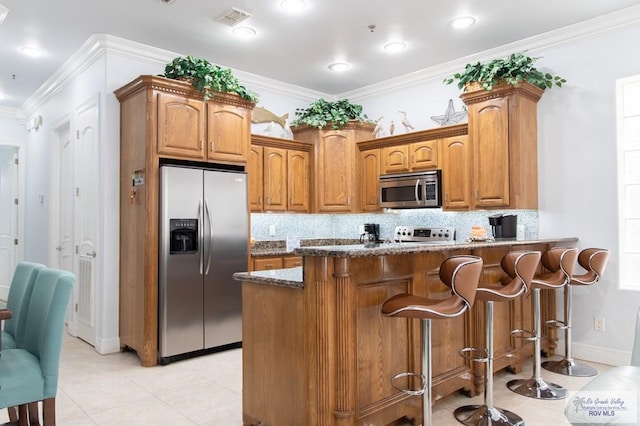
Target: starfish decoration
450 116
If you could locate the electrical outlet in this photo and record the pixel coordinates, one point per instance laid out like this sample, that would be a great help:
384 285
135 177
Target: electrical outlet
598 324
272 230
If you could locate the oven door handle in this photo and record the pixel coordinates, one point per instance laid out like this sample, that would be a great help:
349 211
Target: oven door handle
416 190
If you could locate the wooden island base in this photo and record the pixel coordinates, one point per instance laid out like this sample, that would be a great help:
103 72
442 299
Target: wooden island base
319 352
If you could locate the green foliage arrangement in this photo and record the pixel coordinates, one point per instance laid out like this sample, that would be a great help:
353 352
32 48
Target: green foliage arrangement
207 77
513 69
322 113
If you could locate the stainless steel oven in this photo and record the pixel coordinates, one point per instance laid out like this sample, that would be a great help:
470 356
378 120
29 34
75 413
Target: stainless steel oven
411 190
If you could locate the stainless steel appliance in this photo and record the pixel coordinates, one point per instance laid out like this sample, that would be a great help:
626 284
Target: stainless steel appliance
421 234
411 190
503 225
203 241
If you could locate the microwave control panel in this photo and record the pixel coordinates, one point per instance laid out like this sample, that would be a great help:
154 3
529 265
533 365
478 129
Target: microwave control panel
420 234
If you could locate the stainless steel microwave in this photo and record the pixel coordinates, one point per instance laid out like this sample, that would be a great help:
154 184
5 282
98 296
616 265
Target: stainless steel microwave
411 190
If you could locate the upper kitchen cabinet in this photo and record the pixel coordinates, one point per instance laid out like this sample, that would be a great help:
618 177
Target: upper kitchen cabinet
186 126
228 129
409 158
503 133
335 183
456 172
278 174
369 175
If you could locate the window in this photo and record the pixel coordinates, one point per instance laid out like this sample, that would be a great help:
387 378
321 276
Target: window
628 113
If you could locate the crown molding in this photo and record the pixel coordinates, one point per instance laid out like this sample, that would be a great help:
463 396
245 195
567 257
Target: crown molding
100 44
628 17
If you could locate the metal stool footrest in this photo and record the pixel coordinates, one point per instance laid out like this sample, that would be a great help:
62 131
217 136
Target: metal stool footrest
527 335
410 391
557 324
475 354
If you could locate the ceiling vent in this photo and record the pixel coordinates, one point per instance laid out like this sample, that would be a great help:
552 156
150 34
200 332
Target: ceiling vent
233 17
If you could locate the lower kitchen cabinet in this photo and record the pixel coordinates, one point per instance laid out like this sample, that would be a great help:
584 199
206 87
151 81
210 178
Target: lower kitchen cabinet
276 262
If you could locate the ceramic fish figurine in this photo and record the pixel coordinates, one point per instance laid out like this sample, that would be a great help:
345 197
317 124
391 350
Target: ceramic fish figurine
405 122
392 127
377 131
263 115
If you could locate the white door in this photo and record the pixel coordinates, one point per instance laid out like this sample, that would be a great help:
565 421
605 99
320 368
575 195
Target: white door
8 216
86 218
64 193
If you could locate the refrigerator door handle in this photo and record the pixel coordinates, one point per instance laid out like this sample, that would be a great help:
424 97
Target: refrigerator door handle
200 231
208 210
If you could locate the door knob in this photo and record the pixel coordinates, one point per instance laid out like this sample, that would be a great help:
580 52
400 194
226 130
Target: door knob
92 254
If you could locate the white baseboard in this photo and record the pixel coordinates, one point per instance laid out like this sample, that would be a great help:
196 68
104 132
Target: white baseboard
599 354
107 346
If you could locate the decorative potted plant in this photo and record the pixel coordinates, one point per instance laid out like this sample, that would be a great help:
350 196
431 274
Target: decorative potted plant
513 70
207 77
322 113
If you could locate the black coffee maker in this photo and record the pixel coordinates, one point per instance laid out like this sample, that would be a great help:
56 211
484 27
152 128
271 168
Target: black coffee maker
371 234
503 225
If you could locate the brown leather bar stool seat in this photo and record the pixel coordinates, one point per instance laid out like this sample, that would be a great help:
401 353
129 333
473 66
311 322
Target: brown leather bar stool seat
594 262
560 262
519 267
461 274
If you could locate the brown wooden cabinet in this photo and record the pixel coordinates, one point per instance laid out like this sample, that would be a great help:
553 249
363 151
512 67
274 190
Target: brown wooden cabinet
163 119
276 262
278 174
456 172
335 185
411 157
503 132
228 132
369 176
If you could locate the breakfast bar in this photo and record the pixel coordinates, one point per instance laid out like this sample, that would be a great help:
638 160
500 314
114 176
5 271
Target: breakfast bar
317 351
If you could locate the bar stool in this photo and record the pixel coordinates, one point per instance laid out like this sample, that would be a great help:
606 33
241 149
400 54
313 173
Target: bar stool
594 261
519 267
461 274
561 263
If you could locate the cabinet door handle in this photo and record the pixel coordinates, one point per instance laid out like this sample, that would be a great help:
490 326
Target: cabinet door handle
476 194
260 200
446 196
268 200
212 148
201 143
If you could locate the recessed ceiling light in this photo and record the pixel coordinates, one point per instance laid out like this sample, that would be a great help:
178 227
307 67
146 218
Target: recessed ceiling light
395 46
31 51
293 6
2 96
463 22
339 66
244 32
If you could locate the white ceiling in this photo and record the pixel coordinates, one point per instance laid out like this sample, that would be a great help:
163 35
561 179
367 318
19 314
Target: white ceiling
292 48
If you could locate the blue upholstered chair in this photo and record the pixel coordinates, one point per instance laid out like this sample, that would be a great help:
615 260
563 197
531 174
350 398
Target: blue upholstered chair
29 373
19 295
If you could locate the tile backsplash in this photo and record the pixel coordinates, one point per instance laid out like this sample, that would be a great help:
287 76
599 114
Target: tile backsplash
276 226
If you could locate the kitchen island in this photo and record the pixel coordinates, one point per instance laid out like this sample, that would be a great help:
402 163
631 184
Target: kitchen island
317 351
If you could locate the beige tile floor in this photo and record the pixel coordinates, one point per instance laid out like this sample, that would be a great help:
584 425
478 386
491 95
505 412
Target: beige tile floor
115 390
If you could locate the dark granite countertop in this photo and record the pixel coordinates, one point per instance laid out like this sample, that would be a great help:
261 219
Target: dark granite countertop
294 277
278 247
391 249
290 277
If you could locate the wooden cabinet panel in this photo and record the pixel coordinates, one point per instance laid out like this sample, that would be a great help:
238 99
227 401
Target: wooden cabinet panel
255 171
266 263
336 173
228 131
490 130
456 173
423 155
291 261
395 159
181 123
298 181
275 179
369 180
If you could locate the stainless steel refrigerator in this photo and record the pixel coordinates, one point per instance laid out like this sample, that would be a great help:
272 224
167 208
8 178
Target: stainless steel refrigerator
203 241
